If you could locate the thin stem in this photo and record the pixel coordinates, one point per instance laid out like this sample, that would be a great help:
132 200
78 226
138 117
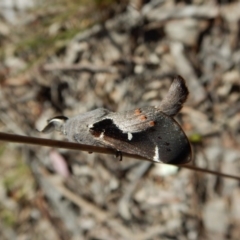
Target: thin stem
76 146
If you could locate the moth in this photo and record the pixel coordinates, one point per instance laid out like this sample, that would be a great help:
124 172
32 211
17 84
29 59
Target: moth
150 132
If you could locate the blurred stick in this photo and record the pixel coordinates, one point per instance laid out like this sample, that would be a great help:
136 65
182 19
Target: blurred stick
79 68
76 146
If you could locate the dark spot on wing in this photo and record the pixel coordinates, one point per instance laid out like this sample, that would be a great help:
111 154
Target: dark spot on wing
167 144
109 128
137 111
95 133
152 123
143 117
168 150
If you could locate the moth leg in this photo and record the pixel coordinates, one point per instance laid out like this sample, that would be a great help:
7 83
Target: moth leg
118 154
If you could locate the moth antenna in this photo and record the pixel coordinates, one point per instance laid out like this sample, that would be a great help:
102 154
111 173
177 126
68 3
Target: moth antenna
175 98
55 123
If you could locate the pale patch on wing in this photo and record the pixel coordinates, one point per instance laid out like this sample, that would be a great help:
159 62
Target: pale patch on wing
156 157
101 135
130 136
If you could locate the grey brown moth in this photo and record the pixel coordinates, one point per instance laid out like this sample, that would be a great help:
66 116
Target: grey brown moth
150 132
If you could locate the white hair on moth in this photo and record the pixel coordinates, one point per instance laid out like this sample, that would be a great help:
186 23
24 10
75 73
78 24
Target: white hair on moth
101 135
56 120
156 157
130 136
55 123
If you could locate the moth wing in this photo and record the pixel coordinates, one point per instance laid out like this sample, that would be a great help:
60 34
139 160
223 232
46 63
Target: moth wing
134 121
165 141
76 129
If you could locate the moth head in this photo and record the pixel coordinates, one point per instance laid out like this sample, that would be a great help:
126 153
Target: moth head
55 123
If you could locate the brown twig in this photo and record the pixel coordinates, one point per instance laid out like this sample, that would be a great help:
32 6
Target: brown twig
79 68
76 146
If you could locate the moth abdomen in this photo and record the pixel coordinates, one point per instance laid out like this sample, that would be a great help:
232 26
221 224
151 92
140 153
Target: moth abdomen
175 98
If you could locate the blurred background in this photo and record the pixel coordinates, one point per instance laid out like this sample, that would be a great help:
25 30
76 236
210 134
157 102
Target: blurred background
67 57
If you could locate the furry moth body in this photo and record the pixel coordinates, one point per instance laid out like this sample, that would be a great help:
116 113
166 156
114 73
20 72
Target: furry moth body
150 132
